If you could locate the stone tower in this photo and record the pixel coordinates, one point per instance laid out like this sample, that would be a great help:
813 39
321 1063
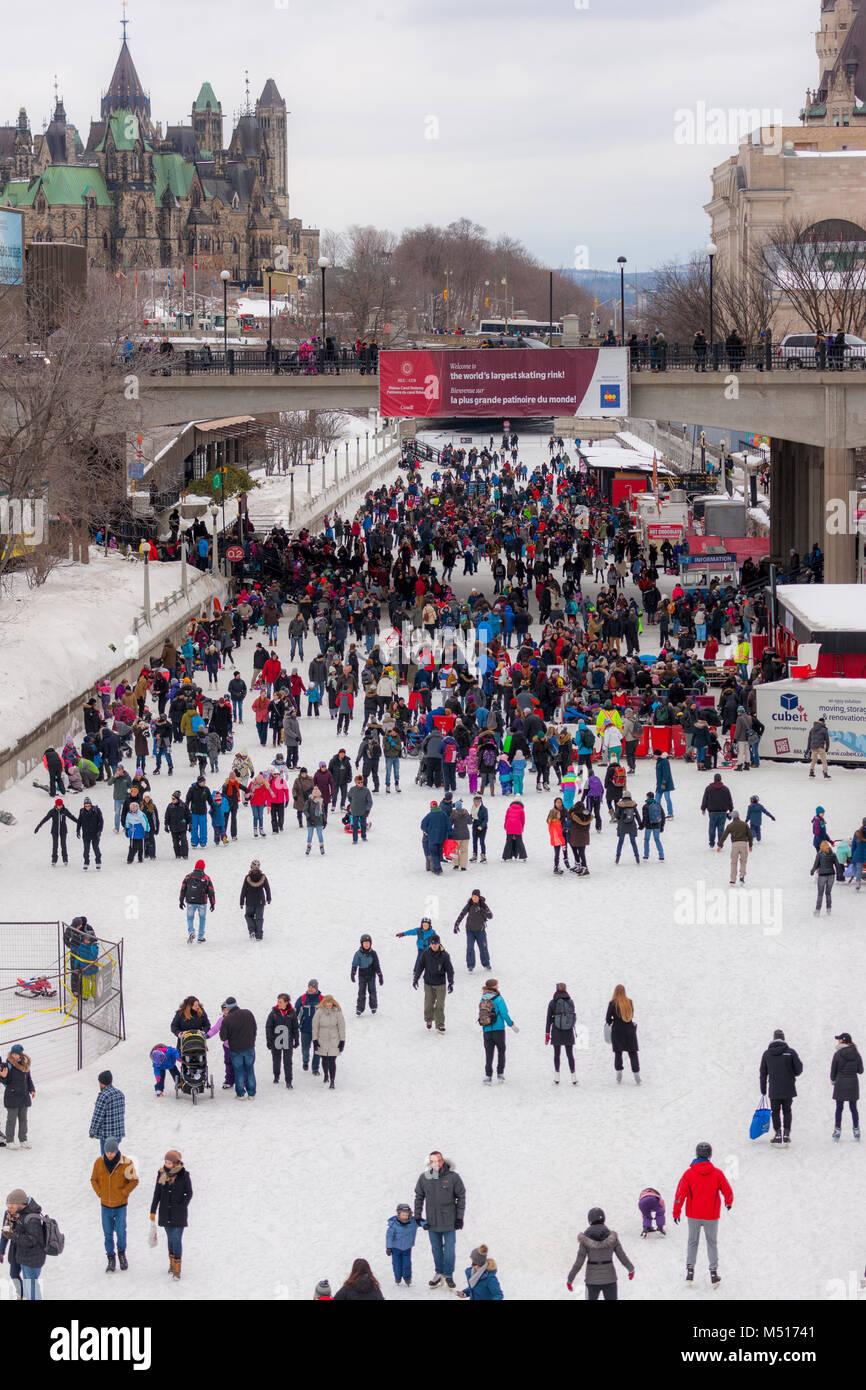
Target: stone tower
207 122
841 47
271 113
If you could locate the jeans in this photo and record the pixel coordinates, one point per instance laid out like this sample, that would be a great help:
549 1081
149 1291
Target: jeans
825 888
272 634
245 1077
174 1237
494 1044
619 844
359 823
710 1230
392 765
237 710
262 731
198 834
32 1289
306 1049
191 910
479 840
315 829
478 938
118 808
114 1224
656 835
667 796
401 1263
449 777
258 818
717 824
297 643
443 1243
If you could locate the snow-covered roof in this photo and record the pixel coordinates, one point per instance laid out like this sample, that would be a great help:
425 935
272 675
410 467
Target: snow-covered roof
826 607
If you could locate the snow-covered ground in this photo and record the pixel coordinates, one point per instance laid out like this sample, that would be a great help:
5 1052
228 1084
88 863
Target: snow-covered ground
293 1187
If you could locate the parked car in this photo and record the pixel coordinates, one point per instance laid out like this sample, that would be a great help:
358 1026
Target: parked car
797 350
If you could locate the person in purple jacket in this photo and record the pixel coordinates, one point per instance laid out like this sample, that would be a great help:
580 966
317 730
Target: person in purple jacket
229 1082
652 1208
594 797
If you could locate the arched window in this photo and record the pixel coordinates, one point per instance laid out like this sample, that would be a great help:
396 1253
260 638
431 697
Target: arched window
141 220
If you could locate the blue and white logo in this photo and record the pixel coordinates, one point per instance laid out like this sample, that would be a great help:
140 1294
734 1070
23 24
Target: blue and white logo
789 701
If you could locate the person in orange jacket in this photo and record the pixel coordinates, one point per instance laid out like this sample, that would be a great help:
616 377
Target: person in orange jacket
701 1188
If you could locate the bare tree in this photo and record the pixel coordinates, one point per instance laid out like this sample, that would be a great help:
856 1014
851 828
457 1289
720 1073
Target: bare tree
822 280
679 303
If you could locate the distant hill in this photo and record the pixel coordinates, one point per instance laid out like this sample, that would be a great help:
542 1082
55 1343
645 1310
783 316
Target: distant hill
603 284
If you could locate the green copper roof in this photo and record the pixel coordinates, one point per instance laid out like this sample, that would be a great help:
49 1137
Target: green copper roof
65 185
14 192
206 98
124 130
171 171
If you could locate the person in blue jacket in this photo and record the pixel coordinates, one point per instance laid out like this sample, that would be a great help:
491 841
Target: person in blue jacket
755 815
164 1059
137 826
435 829
400 1236
482 1282
493 1015
664 782
858 854
508 623
305 1007
422 934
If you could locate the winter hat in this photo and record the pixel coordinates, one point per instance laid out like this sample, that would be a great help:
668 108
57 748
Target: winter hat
844 1038
199 863
779 1034
435 940
403 1206
17 1197
741 709
111 1146
365 937
255 865
479 1257
87 801
105 1078
229 1003
17 1050
753 800
323 1290
718 777
595 1216
174 1153
703 1150
175 794
58 801
819 810
313 984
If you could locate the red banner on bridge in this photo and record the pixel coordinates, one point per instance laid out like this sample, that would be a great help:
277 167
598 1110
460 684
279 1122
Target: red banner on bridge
587 383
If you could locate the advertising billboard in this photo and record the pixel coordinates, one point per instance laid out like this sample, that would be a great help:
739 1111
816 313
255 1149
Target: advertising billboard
788 709
11 247
586 383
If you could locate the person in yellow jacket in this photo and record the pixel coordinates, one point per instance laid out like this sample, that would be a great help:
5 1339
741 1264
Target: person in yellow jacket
113 1180
744 651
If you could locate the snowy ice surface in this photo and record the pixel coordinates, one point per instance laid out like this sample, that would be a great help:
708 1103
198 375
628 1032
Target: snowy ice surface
294 1186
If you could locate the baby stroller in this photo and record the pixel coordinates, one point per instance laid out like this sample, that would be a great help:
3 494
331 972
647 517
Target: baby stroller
194 1076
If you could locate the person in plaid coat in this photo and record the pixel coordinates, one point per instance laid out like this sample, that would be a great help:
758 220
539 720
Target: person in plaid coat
109 1112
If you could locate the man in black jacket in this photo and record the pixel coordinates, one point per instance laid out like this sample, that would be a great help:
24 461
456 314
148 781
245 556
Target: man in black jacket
238 1029
198 802
90 827
717 803
255 892
780 1066
196 892
477 915
25 1233
58 816
435 965
176 823
440 1189
340 768
54 768
282 1035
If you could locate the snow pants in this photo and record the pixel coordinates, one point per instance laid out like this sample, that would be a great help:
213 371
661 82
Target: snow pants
710 1230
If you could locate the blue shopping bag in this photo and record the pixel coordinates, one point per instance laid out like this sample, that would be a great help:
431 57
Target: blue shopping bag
760 1120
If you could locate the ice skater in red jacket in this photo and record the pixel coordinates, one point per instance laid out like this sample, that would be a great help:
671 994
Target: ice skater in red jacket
702 1188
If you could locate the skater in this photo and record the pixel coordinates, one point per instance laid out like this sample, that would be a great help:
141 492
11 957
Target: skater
742 842
559 1030
172 1195
461 821
315 814
482 1281
477 915
400 1236
664 782
435 830
780 1066
362 1286
53 765
653 824
819 828
164 1059
596 1247
845 1069
329 1037
305 1008
89 825
825 867
137 828
24 1232
515 820
113 1179
423 934
702 1188
556 833
440 1190
109 1111
493 1016
755 813
652 1208
282 1036
717 803
628 823
858 854
817 744
479 830
366 967
176 823
579 823
255 892
239 1029
18 1095
58 816
621 1031
196 894
360 800
434 964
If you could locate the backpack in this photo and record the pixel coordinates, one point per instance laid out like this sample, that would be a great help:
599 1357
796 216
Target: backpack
54 1237
564 1017
487 1012
488 756
653 813
587 740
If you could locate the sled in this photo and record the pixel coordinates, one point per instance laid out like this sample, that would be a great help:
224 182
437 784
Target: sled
38 987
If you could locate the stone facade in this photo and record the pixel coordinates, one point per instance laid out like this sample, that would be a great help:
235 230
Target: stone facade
141 199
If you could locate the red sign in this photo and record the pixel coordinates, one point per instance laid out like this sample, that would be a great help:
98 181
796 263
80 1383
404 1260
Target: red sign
589 383
235 553
664 532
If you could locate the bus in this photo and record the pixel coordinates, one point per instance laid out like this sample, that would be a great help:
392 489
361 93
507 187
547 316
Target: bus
529 328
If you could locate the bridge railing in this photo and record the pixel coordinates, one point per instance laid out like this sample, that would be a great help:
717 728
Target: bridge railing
276 361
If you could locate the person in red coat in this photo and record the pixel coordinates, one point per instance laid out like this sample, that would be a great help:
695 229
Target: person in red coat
702 1188
271 669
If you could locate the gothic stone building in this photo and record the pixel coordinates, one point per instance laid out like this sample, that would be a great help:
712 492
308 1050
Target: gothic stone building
139 199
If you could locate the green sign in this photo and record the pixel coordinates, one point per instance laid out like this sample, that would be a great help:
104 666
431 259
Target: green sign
217 481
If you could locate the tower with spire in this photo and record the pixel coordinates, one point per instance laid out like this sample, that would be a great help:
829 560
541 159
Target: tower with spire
841 47
271 113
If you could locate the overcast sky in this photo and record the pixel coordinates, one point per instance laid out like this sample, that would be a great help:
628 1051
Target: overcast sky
556 124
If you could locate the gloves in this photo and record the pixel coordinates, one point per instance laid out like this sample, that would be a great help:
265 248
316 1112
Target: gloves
399 933
728 1206
514 1028
450 989
315 1047
414 984
153 1216
631 1275
381 981
419 1222
570 1287
456 931
387 1252
676 1220
353 977
340 1046
546 1039
458 1224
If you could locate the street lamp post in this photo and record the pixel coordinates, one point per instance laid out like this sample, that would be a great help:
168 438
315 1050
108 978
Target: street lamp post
225 277
711 252
622 262
269 270
550 313
324 262
213 552
447 300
